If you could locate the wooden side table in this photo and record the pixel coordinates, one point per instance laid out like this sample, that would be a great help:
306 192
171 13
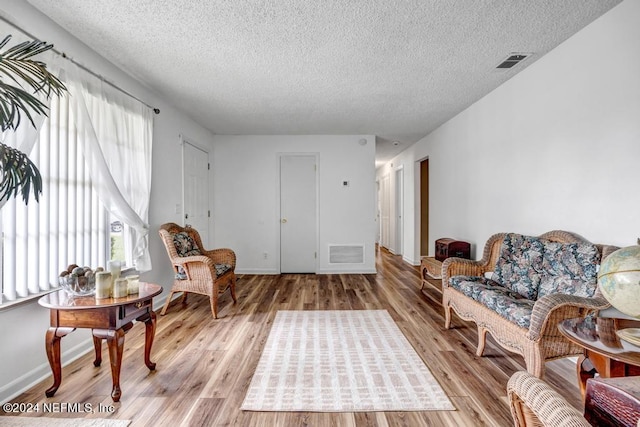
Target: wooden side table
108 319
604 352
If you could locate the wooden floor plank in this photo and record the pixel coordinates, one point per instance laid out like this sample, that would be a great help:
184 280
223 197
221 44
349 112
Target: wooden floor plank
204 365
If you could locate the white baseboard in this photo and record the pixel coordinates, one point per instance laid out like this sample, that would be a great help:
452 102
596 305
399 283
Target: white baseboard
257 271
411 261
344 271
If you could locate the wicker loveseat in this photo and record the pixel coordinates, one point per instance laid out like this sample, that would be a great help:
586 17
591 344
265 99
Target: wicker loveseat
522 288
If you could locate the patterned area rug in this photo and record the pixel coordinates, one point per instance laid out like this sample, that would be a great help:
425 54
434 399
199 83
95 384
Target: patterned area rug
341 361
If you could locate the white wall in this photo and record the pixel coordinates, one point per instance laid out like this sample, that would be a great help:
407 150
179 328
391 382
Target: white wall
555 147
246 187
23 327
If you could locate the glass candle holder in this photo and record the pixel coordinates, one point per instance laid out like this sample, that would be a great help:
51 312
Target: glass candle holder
103 285
120 288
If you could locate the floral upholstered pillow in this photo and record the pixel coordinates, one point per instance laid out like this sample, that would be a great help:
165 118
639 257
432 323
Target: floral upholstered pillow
569 268
221 269
185 245
518 267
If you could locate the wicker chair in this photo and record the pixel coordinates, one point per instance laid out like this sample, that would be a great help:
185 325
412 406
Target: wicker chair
541 341
197 270
534 403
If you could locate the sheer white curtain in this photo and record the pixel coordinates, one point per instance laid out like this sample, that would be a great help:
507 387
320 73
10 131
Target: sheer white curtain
116 133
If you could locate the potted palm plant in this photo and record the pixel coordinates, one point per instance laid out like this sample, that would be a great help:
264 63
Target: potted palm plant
22 77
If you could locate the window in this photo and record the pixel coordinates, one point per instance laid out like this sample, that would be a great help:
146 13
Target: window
94 202
68 225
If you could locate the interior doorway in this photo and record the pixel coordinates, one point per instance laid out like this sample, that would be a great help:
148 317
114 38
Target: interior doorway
424 207
385 211
377 213
398 250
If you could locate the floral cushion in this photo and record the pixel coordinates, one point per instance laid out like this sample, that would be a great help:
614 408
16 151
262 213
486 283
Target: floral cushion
185 245
221 269
569 268
181 274
472 286
520 264
507 303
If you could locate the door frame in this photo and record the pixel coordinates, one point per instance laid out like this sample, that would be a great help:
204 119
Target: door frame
423 207
279 156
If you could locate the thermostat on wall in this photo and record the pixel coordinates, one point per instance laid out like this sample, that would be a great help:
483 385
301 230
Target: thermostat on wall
345 183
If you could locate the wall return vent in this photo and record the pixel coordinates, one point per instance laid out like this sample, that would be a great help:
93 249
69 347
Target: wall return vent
513 59
346 254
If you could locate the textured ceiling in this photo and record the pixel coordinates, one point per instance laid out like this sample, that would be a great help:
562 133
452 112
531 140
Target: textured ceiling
395 69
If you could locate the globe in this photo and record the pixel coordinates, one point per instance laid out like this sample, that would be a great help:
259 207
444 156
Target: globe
619 280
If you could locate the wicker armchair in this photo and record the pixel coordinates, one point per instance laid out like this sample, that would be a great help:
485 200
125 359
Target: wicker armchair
197 270
541 341
534 403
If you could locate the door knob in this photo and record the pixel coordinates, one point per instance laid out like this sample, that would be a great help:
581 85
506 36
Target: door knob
284 220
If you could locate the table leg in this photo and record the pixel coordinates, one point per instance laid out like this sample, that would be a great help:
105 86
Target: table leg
52 345
149 320
115 343
97 345
585 371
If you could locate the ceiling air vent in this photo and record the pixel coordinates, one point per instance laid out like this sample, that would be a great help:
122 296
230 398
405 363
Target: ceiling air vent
513 59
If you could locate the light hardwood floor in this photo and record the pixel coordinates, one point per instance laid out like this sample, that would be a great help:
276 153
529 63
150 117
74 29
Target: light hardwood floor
204 366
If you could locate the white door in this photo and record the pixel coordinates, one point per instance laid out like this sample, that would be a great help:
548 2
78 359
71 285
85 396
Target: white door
195 192
399 210
298 198
385 208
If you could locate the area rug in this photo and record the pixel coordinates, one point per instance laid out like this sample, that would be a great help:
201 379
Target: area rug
61 422
341 361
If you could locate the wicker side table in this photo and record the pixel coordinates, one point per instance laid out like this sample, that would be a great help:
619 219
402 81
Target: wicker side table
430 268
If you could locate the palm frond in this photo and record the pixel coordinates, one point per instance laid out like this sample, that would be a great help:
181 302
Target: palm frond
18 174
18 65
14 101
21 77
